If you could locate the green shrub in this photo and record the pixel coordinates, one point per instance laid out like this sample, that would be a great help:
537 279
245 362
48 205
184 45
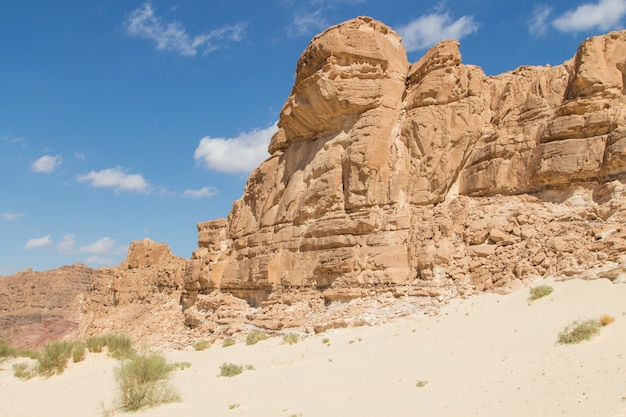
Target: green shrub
228 342
291 339
120 346
24 370
30 353
95 344
7 350
255 337
230 369
143 381
180 366
579 331
540 291
202 345
78 352
54 358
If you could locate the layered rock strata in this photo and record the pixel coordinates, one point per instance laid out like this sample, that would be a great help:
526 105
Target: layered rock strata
391 187
431 178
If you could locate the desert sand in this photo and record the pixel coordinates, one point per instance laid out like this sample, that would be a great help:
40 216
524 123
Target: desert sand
487 355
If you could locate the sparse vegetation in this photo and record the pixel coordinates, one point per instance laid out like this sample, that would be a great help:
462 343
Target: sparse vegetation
579 331
78 352
291 338
228 342
120 346
421 383
7 350
95 344
202 345
143 381
540 291
255 337
326 341
54 358
230 369
233 406
24 371
605 320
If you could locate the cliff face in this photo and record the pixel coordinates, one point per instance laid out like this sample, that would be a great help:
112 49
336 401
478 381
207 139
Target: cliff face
388 180
430 177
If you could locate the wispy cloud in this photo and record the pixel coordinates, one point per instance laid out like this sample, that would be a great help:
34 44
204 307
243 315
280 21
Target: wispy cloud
47 163
116 178
603 15
427 30
239 154
38 242
172 36
204 192
11 216
305 23
96 260
104 246
67 245
538 24
12 139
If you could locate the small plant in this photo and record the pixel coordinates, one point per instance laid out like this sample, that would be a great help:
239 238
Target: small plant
291 339
605 320
326 341
540 291
233 406
228 342
255 337
202 345
143 381
7 350
176 366
120 346
230 369
95 344
579 331
24 371
54 358
421 384
30 353
78 352
250 367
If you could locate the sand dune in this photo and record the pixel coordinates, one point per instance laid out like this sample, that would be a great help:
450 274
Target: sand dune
489 355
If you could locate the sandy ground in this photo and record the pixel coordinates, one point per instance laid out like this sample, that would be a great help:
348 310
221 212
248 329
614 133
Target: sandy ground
489 355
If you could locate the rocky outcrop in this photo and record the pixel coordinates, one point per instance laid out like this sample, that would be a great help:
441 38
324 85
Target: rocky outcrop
428 179
391 187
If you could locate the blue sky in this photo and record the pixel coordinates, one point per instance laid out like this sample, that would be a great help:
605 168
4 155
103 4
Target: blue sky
125 119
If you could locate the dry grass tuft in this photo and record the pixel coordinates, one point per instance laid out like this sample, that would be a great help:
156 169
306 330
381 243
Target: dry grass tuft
539 292
605 320
579 331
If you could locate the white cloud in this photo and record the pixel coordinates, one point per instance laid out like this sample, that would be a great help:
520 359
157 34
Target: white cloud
96 260
604 15
104 246
204 192
12 139
11 216
116 178
240 154
305 23
427 30
46 163
38 242
172 36
539 20
67 244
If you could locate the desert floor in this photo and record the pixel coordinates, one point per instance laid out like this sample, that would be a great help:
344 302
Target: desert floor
488 355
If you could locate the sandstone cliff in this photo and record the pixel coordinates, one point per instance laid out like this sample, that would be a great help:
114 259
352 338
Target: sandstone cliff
430 178
396 186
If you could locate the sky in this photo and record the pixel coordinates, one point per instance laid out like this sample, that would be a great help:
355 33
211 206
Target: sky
127 119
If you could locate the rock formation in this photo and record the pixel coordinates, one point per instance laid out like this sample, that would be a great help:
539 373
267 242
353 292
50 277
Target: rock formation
430 178
396 184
